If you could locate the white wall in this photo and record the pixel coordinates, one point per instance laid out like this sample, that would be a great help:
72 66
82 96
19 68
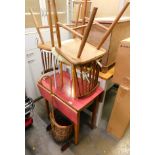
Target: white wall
108 7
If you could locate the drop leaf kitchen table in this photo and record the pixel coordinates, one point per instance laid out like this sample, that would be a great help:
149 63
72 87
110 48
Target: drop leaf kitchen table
62 99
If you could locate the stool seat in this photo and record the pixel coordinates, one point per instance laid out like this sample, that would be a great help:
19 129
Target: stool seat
69 50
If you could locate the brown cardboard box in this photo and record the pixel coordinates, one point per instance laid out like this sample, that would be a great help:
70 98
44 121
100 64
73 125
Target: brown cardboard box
120 116
122 66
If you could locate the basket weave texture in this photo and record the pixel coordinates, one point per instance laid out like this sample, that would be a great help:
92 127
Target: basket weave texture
61 127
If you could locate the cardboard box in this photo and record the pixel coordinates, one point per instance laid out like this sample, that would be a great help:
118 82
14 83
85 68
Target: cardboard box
120 116
122 66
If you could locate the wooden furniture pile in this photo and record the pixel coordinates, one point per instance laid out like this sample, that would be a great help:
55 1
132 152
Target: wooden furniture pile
74 90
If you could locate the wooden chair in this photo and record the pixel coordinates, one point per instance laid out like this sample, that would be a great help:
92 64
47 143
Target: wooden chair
72 49
81 55
47 49
48 46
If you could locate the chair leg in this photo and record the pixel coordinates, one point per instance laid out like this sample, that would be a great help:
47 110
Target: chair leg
73 82
53 65
95 108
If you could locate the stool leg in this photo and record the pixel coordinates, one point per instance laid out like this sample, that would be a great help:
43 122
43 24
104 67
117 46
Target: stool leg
76 131
95 108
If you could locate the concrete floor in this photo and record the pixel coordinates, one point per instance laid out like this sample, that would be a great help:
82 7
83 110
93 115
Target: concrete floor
91 142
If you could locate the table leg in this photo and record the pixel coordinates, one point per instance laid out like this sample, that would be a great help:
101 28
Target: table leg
104 84
47 107
76 130
95 108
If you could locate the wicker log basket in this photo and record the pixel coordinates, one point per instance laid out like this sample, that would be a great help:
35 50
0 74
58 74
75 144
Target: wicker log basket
61 127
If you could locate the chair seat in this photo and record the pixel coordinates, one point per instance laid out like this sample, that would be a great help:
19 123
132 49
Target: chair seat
69 50
65 93
47 46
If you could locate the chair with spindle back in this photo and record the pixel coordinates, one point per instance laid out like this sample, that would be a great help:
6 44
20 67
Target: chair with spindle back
71 50
79 53
47 48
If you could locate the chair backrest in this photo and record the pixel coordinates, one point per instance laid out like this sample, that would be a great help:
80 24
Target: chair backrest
48 61
86 78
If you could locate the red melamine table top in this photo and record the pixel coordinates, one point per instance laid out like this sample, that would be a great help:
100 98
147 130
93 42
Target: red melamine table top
65 92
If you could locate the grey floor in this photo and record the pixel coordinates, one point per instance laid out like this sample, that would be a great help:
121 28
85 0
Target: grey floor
92 142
